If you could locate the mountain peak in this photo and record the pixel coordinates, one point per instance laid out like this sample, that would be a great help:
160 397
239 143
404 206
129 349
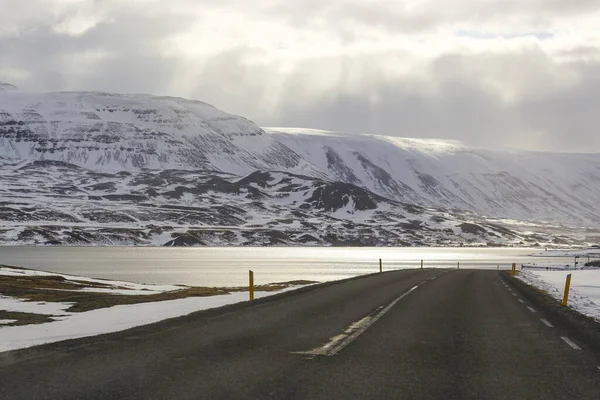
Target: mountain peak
112 132
7 86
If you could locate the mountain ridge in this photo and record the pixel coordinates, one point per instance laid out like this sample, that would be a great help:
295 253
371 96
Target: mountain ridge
57 203
109 133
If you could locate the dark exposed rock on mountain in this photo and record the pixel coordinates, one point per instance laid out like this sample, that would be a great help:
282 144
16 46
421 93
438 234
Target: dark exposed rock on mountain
92 167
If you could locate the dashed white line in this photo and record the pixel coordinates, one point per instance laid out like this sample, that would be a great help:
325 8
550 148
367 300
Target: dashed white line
570 343
531 309
547 323
521 301
514 294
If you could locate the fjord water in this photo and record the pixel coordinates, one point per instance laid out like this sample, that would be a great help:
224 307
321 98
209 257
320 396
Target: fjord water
228 266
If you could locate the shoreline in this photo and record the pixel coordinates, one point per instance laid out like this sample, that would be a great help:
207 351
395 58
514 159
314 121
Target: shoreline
23 288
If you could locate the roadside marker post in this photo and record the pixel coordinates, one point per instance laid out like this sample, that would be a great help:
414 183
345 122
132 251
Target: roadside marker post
514 269
458 265
251 285
421 264
380 265
567 288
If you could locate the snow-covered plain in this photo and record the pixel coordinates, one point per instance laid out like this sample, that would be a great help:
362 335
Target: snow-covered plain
593 252
584 295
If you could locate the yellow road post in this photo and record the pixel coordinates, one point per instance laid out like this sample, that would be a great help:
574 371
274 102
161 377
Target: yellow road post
567 288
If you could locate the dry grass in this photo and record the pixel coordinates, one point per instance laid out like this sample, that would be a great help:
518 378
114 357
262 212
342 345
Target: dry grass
24 318
271 287
59 289
51 290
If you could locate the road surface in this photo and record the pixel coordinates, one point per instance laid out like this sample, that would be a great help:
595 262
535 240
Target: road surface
413 334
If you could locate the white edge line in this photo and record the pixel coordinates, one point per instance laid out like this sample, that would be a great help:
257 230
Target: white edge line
570 343
547 323
357 333
338 343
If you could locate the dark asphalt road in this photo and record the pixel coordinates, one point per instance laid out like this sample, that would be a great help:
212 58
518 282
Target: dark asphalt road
462 335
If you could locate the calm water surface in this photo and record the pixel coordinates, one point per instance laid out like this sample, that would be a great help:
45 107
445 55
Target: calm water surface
228 266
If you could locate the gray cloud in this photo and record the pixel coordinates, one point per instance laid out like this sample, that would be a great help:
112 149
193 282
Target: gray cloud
406 17
456 102
519 97
122 54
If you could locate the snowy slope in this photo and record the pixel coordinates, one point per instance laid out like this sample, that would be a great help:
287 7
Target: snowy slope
55 203
112 132
584 296
109 133
7 86
513 184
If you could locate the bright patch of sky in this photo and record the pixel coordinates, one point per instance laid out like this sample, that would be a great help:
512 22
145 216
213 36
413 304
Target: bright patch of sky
508 36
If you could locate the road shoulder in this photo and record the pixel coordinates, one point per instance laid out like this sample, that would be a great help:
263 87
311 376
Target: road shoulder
582 328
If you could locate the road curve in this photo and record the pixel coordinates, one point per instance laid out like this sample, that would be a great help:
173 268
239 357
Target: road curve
414 334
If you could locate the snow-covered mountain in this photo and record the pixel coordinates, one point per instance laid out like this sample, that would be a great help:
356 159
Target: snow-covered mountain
7 86
52 202
503 183
113 132
109 133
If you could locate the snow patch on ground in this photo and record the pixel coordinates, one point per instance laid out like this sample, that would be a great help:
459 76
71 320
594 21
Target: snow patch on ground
584 295
591 252
113 319
12 304
558 266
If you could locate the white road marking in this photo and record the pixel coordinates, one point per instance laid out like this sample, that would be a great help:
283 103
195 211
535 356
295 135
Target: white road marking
570 343
547 323
531 309
521 301
339 342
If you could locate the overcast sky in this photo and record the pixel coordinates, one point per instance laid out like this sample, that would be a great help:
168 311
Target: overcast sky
518 73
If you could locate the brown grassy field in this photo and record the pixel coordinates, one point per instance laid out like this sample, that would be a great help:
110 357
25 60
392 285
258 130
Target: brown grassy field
56 288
